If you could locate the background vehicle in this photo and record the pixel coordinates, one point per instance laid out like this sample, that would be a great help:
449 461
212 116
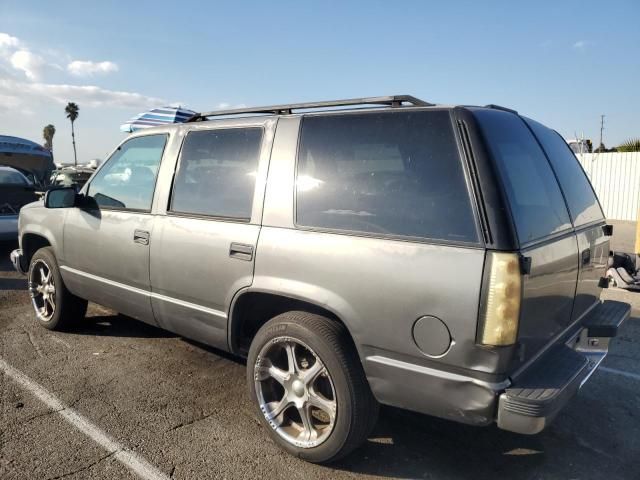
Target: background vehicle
70 176
447 260
27 156
580 145
16 190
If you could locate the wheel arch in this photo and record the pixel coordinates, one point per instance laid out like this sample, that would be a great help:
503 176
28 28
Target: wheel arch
31 242
253 307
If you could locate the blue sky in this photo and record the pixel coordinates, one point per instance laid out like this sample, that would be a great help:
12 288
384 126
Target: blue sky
563 63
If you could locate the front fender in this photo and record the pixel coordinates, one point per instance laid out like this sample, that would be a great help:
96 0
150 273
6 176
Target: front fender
45 223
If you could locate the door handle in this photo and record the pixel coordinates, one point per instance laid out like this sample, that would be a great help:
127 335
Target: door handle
241 251
141 237
586 256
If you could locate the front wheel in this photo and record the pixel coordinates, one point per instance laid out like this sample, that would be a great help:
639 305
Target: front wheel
308 385
56 307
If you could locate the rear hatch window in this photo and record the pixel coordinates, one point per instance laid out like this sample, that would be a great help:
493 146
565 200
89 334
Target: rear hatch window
537 206
582 201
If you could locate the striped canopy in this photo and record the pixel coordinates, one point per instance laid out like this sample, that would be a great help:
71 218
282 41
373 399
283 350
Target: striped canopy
157 116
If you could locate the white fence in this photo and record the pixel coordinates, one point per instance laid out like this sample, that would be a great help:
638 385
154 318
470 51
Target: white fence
616 180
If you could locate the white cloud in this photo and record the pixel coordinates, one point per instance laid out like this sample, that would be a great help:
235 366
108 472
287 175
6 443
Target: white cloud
8 45
8 102
85 68
84 95
30 63
581 44
15 53
8 42
18 94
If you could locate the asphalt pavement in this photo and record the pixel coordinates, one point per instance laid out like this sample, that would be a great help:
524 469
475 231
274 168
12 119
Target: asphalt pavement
128 393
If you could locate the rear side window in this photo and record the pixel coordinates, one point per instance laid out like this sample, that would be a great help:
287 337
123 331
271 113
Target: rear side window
395 173
583 204
537 205
217 173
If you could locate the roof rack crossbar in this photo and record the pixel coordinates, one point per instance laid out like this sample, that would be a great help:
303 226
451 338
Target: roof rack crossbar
287 109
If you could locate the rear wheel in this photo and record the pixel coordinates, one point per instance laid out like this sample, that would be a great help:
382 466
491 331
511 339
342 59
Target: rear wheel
55 307
309 387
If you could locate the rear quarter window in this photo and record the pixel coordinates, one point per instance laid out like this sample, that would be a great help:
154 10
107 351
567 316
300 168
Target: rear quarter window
582 201
537 206
391 173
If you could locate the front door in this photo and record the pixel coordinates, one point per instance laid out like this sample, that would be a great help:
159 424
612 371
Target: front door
106 242
204 244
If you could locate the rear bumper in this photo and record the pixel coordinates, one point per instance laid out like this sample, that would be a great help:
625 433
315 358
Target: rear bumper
535 397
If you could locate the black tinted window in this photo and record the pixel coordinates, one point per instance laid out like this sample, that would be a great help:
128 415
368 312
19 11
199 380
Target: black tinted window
11 177
395 173
583 205
128 179
217 173
535 198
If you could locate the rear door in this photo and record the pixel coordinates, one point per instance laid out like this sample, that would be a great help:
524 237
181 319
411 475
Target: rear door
205 239
586 215
542 225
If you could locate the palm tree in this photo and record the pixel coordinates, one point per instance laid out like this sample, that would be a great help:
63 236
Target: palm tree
631 145
47 133
72 110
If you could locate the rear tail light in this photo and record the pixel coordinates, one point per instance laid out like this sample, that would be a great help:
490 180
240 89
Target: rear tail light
501 297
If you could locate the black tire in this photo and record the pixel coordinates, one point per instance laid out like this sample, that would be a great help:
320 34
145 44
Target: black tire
68 309
356 408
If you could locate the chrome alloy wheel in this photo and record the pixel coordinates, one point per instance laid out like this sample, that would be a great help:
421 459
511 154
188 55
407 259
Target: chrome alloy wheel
42 290
295 392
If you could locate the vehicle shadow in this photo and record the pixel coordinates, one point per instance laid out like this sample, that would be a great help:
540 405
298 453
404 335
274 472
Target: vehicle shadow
5 250
13 284
117 325
409 445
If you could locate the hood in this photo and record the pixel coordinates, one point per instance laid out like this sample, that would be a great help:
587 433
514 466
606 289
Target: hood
26 156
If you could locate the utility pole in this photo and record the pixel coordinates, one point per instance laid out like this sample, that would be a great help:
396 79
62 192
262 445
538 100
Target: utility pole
601 147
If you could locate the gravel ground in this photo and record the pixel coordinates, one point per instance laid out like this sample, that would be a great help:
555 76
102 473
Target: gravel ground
183 407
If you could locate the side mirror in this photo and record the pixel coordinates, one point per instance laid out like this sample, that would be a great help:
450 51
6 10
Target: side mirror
60 198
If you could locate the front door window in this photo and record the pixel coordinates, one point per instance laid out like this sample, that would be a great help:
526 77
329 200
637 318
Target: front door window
128 180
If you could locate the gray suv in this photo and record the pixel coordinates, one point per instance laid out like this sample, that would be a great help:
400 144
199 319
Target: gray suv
443 259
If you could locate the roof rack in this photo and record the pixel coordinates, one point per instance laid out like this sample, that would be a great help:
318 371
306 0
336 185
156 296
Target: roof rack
287 109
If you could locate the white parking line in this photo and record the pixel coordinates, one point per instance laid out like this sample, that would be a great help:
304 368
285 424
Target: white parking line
635 376
129 459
